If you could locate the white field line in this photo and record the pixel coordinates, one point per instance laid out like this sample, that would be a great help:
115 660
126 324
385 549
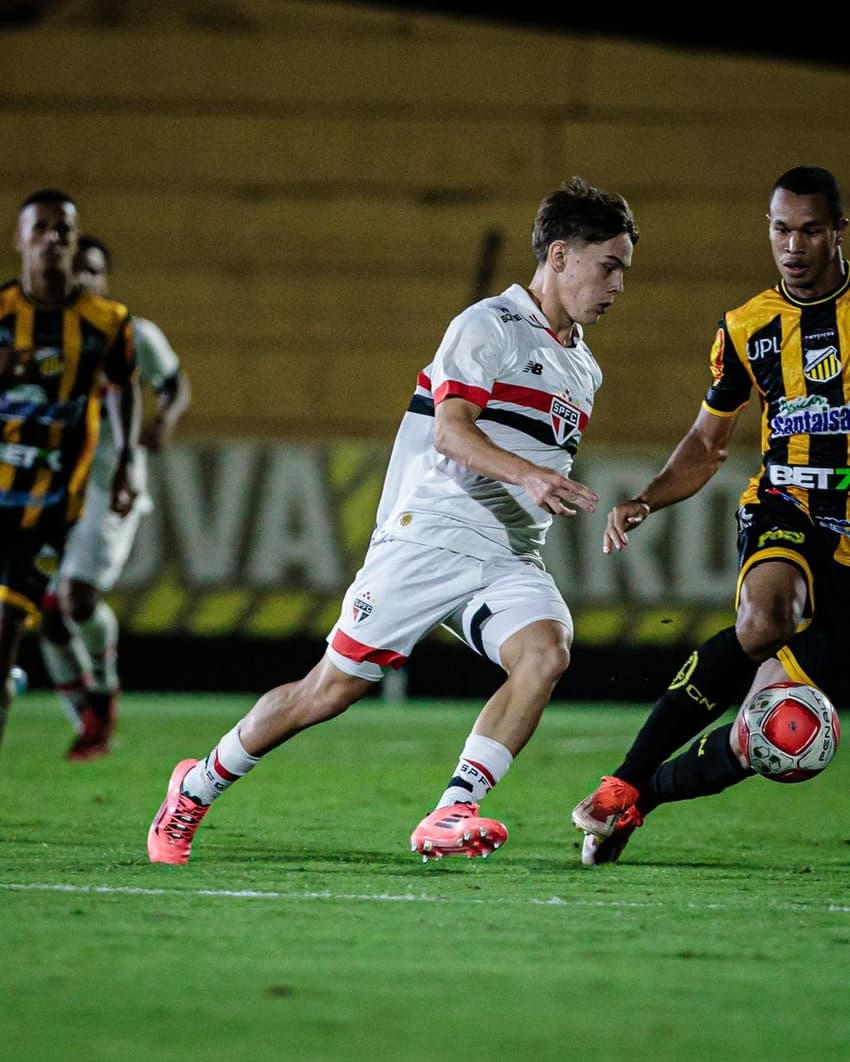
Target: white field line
383 897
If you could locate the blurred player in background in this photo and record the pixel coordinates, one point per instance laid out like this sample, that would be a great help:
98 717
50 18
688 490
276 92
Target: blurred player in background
63 352
79 632
792 344
479 468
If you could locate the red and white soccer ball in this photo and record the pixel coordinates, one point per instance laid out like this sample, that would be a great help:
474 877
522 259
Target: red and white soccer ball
788 731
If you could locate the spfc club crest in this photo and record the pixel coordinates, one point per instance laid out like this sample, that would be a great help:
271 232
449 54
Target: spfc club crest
566 419
362 607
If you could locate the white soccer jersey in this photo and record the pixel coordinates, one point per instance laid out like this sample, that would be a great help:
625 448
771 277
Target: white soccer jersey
157 362
536 396
100 542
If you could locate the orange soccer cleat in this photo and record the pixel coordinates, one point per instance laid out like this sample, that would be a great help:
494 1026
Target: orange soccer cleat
600 812
596 850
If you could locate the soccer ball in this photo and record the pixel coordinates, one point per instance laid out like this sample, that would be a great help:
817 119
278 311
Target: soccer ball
788 731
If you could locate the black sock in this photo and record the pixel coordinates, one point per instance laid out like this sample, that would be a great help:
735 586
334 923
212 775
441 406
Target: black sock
708 766
715 676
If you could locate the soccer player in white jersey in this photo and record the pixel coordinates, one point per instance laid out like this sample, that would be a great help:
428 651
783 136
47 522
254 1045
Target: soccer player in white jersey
79 632
479 468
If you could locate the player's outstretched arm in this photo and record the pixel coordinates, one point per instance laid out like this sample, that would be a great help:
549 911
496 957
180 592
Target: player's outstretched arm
621 518
123 405
173 399
556 493
457 437
695 459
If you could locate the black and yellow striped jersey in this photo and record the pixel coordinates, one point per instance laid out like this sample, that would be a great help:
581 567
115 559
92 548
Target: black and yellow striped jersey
796 354
50 415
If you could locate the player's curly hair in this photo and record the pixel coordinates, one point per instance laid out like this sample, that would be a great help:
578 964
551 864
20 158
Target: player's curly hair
577 210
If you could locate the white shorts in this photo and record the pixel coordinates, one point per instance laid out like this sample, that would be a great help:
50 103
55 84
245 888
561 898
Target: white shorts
100 542
404 590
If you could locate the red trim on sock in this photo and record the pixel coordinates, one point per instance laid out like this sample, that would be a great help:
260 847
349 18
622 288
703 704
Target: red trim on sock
480 767
223 771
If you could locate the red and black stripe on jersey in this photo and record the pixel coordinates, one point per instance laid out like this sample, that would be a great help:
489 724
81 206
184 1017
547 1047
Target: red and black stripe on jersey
493 409
49 420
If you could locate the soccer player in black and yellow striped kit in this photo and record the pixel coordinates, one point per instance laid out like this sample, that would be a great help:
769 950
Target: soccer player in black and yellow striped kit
791 345
62 353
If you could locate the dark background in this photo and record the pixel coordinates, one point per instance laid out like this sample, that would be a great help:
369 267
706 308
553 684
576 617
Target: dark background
823 41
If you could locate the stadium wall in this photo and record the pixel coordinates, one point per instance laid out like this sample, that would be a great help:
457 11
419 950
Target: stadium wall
302 194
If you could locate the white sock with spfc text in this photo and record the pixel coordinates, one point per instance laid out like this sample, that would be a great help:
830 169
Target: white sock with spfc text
482 764
225 764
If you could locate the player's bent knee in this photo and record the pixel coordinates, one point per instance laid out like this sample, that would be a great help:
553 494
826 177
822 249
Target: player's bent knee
540 651
762 635
542 665
79 600
81 610
53 627
554 663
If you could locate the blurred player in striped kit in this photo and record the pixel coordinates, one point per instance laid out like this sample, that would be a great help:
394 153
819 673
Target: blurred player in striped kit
65 354
79 632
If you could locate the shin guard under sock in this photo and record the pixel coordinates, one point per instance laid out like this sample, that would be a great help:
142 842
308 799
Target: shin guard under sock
715 676
709 766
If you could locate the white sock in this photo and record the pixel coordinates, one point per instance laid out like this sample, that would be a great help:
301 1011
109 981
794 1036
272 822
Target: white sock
225 764
100 637
67 665
482 764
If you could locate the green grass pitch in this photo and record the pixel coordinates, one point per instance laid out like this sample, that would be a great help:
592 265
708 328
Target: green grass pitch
304 928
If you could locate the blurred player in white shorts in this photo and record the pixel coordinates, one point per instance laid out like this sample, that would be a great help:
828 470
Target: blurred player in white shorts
480 466
79 632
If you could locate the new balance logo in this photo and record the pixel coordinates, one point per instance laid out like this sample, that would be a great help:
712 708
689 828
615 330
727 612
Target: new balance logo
534 367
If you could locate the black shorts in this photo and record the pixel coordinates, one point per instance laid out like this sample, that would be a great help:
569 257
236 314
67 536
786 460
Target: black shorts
28 559
778 530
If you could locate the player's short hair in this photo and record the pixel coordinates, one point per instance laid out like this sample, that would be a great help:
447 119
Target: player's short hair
87 242
47 195
579 210
813 180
